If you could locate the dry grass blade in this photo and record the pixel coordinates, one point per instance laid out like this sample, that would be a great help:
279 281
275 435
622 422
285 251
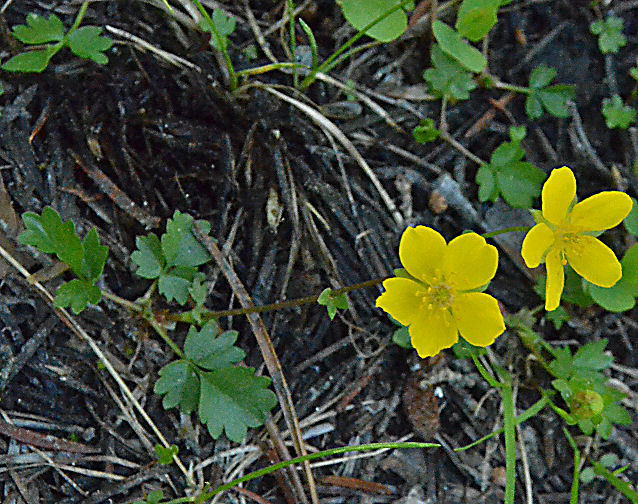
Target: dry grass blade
267 350
324 122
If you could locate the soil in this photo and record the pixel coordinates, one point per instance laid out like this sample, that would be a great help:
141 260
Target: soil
120 147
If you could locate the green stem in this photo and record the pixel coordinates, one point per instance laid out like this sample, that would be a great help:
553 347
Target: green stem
208 315
622 486
506 230
268 68
510 441
322 68
293 41
311 456
530 412
150 318
573 498
232 76
485 373
512 87
121 301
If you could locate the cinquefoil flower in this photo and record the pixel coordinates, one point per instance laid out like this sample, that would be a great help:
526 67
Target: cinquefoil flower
565 236
436 302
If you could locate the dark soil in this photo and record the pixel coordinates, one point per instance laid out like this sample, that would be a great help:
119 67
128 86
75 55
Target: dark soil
170 136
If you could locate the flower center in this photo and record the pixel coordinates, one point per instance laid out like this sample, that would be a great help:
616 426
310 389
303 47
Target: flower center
438 296
568 240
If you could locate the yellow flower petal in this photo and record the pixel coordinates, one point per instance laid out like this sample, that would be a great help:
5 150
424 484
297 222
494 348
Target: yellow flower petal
536 243
421 251
478 318
469 262
558 193
432 331
402 299
555 279
601 211
594 261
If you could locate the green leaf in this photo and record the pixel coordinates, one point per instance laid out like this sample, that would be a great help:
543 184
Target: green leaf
198 289
94 256
592 357
39 30
615 413
609 460
476 18
587 475
506 154
448 78
488 190
148 256
211 351
332 302
617 114
622 296
179 384
520 183
176 283
87 43
454 46
517 133
401 337
31 61
233 399
51 236
555 98
360 13
533 106
165 455
154 497
179 246
77 294
541 76
425 131
609 31
224 24
464 350
631 221
557 317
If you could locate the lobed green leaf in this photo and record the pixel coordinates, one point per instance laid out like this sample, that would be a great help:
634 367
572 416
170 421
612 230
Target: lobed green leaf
39 30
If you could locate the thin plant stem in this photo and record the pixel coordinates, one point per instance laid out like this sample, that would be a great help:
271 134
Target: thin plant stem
512 87
268 68
293 41
232 76
573 494
530 412
121 301
207 315
150 318
510 441
506 230
326 64
622 486
311 456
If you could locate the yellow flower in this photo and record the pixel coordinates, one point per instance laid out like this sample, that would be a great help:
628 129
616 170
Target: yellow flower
435 303
566 235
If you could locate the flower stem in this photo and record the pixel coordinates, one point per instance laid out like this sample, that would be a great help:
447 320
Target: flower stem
512 87
208 315
506 230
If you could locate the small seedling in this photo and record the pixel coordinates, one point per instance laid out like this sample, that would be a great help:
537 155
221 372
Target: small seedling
609 31
165 455
85 42
448 79
553 99
332 302
617 114
425 132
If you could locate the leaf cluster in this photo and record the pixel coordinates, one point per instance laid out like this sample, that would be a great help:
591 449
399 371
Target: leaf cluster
85 42
609 31
228 398
617 114
173 259
333 301
425 132
507 175
223 26
582 385
447 78
85 258
553 99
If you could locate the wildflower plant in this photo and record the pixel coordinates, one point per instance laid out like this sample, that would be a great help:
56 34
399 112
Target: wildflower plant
437 294
564 234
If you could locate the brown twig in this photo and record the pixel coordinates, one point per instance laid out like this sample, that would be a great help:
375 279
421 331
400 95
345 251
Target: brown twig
268 352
